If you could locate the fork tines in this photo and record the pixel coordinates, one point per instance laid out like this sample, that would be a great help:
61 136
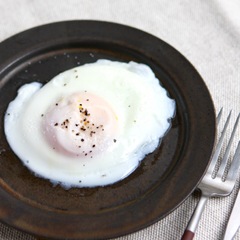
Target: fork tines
232 171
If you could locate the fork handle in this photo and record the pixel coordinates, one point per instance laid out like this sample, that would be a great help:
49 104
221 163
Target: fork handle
188 235
193 223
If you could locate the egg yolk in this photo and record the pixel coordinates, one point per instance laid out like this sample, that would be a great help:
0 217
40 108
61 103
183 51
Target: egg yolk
81 125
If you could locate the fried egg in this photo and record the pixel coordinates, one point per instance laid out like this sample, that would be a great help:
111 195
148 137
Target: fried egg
91 125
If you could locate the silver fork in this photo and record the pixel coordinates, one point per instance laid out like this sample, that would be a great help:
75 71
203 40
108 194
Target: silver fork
215 183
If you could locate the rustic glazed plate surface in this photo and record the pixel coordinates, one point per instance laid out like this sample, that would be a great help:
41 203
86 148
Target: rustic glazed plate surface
164 179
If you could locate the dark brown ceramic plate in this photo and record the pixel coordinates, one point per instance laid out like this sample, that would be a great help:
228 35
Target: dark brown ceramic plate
163 180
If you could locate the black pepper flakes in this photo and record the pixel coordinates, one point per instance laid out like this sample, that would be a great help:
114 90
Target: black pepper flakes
91 133
86 112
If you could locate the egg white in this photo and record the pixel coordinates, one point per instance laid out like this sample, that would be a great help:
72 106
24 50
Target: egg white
143 111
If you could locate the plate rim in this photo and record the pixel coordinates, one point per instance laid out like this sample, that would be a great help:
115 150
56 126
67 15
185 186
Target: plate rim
168 49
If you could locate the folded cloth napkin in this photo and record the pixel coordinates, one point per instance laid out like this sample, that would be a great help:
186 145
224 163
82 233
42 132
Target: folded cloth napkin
207 33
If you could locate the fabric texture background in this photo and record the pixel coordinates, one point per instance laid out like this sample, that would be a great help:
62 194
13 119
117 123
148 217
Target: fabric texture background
206 32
